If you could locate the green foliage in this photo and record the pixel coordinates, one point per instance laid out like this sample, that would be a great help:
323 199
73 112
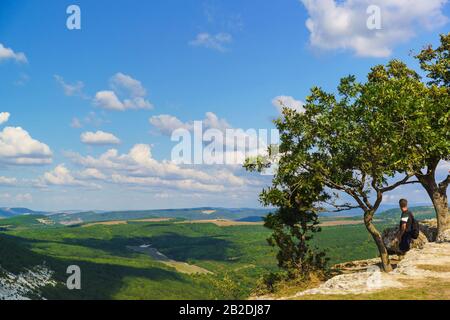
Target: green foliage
352 142
238 256
227 288
436 62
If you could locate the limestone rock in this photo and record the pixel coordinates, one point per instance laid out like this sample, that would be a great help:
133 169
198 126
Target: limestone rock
392 244
444 237
429 228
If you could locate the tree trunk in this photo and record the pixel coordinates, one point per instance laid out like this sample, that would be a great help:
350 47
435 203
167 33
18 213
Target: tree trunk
440 202
385 261
438 196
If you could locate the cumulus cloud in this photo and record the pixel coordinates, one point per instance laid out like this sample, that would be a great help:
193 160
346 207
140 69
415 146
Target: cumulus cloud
122 81
216 42
139 168
4 117
74 89
343 24
9 54
99 138
17 147
281 102
5 181
186 184
61 176
92 173
166 124
123 85
224 143
212 121
108 99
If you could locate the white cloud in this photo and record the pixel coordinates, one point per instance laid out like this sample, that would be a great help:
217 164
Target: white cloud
9 54
166 124
217 42
5 181
186 184
4 117
281 102
132 90
122 81
18 147
99 138
61 176
343 24
108 100
75 89
139 168
92 173
212 121
234 145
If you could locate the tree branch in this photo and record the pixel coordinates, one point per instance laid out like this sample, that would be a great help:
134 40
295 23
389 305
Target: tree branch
444 184
397 184
340 207
350 192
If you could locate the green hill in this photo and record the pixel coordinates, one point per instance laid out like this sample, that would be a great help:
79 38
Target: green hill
110 270
421 213
210 213
236 255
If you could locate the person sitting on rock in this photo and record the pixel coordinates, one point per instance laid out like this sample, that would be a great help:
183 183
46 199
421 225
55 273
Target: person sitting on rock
405 233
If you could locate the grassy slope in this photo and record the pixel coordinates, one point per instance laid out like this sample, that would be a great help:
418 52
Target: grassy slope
111 271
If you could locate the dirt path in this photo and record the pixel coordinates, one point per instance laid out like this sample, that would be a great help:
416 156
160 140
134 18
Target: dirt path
420 273
182 267
120 222
229 223
222 222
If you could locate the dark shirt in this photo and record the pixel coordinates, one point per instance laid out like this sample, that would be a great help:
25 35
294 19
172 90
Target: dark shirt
407 217
405 242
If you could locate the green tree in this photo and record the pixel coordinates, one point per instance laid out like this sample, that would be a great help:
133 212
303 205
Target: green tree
417 119
296 220
363 141
336 147
436 62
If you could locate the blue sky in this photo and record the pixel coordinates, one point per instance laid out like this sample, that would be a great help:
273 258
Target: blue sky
88 103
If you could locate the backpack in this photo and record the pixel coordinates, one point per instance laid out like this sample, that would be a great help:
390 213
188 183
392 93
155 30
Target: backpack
415 229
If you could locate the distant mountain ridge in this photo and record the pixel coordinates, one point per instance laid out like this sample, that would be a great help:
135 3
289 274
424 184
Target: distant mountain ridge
201 213
13 212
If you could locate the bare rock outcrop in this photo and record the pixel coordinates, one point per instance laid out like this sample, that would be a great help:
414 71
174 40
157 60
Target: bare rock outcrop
428 233
419 265
20 286
429 228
